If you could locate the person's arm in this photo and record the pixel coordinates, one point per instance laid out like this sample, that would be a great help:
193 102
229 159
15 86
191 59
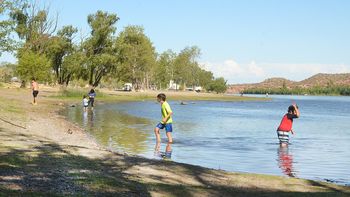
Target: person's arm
297 113
170 113
166 118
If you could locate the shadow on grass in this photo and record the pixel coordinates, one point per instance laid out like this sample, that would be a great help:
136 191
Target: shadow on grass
48 169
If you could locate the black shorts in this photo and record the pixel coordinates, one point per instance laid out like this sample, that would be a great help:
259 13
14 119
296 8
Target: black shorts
35 93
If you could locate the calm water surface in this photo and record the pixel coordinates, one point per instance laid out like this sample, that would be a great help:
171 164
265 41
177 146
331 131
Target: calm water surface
233 136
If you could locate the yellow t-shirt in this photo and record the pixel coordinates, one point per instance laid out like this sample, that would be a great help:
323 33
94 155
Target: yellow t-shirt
165 111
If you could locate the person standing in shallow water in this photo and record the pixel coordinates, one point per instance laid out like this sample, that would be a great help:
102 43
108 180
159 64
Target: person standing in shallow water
286 124
92 95
35 88
166 121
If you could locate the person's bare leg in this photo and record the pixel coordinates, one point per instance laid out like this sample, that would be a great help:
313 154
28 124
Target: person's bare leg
156 132
156 149
283 145
170 139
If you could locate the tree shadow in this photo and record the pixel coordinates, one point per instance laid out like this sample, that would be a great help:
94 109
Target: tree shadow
49 169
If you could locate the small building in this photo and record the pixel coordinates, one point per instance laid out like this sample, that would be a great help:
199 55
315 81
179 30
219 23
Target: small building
173 85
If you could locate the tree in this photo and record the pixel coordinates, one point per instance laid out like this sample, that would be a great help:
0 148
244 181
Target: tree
218 85
164 69
205 78
6 72
59 47
99 47
33 25
32 64
186 66
73 66
136 57
7 43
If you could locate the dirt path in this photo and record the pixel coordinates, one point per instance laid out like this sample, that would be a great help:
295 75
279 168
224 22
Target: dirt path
54 157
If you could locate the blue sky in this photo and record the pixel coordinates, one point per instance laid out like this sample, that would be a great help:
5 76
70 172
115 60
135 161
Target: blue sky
244 41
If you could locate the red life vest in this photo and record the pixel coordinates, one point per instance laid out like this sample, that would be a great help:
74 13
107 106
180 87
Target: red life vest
286 124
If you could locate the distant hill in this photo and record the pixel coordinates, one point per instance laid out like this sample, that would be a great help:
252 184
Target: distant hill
318 80
326 80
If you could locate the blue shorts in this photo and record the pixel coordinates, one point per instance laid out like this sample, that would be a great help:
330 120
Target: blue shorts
168 127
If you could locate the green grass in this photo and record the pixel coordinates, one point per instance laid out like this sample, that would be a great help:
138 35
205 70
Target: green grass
11 106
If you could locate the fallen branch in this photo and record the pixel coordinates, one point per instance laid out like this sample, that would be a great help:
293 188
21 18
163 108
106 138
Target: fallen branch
13 123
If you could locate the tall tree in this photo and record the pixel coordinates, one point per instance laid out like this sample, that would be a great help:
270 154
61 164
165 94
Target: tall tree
73 66
7 24
205 78
99 47
58 49
186 66
164 69
136 57
33 26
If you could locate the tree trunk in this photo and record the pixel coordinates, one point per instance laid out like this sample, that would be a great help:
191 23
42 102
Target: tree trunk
91 76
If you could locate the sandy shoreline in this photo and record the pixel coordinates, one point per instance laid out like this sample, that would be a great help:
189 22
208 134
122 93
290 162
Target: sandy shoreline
55 156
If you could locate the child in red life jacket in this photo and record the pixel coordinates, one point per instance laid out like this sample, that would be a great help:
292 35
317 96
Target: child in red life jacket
286 125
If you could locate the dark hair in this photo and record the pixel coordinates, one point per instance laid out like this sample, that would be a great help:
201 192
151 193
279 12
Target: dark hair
291 109
33 79
92 91
161 96
84 96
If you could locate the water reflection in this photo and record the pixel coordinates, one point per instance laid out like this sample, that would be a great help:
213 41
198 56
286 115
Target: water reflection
285 161
115 130
88 119
166 155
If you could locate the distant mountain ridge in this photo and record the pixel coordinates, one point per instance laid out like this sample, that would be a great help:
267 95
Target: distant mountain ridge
318 80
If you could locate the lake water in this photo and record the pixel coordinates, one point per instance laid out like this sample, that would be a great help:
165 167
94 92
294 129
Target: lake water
233 136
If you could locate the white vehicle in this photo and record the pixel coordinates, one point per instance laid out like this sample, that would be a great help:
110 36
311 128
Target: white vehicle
198 88
127 87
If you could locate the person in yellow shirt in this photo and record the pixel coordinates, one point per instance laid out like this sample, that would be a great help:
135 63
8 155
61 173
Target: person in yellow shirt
166 119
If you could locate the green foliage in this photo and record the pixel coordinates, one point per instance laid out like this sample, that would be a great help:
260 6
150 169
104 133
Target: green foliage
7 43
136 57
186 66
317 90
164 69
219 85
33 26
58 50
32 64
6 72
99 48
49 55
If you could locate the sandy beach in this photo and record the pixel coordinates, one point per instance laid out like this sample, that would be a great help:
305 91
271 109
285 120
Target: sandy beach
41 154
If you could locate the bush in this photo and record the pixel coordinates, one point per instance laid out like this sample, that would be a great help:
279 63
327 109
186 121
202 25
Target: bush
218 85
